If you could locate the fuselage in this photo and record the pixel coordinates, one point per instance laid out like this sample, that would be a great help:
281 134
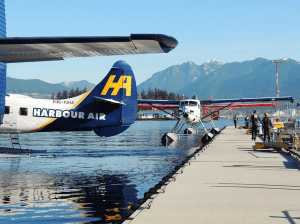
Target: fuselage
190 111
25 114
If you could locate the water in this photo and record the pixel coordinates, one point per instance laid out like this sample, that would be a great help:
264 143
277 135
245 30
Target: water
85 178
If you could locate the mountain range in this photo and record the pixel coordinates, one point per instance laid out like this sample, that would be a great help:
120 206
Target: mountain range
177 77
255 78
39 89
78 84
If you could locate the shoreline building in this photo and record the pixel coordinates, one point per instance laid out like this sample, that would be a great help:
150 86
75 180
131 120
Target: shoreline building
2 64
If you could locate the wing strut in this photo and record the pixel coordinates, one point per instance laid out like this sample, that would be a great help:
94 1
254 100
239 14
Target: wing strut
165 111
216 111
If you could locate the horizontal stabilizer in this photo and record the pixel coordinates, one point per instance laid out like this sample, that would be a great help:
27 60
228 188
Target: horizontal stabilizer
111 101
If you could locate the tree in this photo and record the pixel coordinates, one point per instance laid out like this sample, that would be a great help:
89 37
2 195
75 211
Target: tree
71 93
156 94
58 96
76 92
84 90
65 94
52 96
143 94
150 94
164 95
171 96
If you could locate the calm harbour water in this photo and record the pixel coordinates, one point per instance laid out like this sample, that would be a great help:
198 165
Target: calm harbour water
84 178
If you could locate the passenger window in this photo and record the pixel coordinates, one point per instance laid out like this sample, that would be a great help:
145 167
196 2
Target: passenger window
23 111
7 109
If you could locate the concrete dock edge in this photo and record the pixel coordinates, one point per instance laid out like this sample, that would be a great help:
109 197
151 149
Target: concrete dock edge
229 183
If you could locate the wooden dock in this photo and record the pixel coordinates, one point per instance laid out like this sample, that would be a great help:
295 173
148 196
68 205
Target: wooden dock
229 183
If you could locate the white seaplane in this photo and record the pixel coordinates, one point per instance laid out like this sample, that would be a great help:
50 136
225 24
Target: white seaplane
191 113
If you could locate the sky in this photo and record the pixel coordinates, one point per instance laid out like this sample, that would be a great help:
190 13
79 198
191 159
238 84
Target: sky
227 31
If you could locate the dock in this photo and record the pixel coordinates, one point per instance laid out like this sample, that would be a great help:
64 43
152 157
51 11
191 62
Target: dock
6 152
228 182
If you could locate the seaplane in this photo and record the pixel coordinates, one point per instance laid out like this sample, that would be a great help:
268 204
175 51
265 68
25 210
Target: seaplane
194 112
108 109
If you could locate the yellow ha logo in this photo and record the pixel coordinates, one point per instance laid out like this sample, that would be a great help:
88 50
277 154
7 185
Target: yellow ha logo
124 83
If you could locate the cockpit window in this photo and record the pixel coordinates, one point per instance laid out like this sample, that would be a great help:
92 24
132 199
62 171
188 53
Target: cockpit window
193 103
23 111
184 103
188 103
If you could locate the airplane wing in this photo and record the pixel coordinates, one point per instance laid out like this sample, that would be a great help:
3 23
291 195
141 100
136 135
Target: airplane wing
241 105
207 103
246 100
30 49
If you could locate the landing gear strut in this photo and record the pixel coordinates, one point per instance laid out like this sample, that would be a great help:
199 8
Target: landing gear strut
207 137
215 130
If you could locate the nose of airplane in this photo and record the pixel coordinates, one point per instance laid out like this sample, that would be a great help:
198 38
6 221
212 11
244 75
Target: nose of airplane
185 114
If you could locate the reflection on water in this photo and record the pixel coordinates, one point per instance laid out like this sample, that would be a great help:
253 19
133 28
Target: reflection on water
85 178
43 198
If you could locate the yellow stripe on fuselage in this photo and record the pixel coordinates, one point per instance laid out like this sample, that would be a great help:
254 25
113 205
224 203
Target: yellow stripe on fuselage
53 119
43 125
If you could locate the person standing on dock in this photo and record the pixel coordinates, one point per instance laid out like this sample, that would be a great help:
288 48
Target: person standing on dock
267 125
254 120
247 122
235 118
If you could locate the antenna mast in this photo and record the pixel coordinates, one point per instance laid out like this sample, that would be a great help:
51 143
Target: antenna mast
277 88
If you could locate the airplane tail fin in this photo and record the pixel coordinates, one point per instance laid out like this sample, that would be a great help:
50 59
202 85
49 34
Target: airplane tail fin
113 101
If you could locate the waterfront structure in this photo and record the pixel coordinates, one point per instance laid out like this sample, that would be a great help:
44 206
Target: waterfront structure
154 115
2 64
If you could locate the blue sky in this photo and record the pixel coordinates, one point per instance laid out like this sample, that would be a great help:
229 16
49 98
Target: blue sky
226 31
